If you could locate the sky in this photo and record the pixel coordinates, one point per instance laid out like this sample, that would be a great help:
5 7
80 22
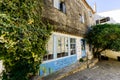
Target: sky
105 5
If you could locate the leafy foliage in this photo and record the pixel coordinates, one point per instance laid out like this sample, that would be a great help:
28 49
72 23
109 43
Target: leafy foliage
104 36
23 38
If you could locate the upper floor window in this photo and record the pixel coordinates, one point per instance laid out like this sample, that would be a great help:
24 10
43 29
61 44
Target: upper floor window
60 4
82 20
62 7
97 21
90 13
56 3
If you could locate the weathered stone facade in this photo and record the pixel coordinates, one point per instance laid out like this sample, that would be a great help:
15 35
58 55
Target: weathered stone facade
69 22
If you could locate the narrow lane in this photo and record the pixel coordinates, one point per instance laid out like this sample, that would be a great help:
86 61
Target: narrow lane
103 70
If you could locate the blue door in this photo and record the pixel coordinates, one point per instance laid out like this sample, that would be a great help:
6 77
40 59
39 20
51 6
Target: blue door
83 49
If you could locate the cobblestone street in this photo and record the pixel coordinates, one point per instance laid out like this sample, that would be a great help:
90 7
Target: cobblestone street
103 70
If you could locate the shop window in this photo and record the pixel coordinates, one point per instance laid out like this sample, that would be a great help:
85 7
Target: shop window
72 46
62 46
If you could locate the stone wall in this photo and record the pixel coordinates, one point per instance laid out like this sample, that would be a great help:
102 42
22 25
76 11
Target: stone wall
68 22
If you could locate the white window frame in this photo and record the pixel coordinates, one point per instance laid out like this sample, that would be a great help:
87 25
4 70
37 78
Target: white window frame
56 4
82 18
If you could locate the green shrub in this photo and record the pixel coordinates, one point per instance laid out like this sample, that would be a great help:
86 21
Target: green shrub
81 60
23 38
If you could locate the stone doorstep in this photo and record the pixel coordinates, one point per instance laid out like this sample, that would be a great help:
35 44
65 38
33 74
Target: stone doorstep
80 68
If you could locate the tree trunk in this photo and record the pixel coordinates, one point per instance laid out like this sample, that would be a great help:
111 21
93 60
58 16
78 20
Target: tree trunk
94 53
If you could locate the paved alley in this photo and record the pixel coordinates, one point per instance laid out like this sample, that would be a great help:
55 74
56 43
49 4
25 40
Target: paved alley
103 70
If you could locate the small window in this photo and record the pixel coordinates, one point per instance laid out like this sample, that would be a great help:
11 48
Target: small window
48 57
63 54
106 19
60 5
45 58
56 3
82 18
90 13
97 21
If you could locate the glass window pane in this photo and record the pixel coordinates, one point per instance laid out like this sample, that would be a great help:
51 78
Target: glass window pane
50 56
72 46
62 46
66 45
56 3
50 46
59 44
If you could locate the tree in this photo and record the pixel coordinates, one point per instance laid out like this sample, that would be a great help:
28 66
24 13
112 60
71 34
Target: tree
104 36
23 38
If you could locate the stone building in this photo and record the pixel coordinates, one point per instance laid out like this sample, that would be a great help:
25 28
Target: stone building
71 20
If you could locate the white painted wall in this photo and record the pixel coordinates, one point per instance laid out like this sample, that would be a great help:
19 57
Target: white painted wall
111 54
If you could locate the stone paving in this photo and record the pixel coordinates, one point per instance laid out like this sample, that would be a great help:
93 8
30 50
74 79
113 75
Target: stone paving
103 70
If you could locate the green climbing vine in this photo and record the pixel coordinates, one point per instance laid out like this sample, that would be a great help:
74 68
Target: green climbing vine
23 38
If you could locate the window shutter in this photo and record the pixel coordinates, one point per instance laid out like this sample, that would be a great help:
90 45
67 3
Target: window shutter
56 3
64 8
